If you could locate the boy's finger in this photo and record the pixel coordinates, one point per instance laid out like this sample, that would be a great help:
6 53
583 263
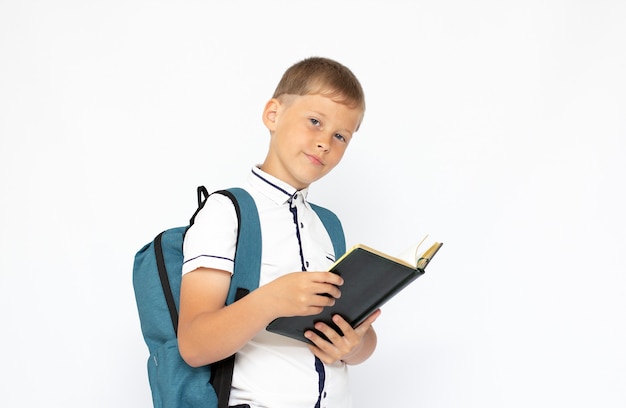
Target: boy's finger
343 325
332 290
370 319
328 277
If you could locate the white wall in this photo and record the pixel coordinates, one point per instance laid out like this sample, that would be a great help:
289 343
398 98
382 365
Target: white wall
498 127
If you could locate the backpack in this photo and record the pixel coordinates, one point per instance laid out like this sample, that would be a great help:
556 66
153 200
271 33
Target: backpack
157 273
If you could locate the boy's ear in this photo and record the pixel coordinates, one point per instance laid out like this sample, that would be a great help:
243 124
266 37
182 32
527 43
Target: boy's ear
270 112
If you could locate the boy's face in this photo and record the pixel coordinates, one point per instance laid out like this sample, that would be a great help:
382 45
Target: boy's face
309 135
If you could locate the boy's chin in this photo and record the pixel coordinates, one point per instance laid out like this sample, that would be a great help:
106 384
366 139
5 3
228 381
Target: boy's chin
305 177
303 183
307 181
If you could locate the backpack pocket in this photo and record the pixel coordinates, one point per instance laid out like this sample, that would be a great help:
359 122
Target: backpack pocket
175 384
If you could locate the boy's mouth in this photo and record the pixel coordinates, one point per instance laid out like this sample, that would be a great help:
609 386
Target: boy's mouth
314 159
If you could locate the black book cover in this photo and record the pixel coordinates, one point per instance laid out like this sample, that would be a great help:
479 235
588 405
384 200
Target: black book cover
370 280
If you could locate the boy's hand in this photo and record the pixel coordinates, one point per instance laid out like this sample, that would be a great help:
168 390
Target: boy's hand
355 346
303 293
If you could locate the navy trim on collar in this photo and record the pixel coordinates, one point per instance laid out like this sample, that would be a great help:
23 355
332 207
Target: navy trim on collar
271 184
276 189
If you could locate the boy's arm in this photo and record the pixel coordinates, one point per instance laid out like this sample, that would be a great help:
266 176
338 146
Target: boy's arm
203 316
208 331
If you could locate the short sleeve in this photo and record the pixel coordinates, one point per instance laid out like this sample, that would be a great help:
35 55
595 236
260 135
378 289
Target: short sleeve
210 242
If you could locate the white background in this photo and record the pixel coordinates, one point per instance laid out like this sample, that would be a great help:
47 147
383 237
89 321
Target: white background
498 127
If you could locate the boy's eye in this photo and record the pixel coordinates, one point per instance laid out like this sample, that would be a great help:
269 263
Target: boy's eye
340 137
315 122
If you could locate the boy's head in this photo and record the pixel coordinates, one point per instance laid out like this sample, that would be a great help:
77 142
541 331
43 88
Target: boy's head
322 76
316 108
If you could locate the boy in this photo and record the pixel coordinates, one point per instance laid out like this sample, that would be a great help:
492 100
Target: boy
317 106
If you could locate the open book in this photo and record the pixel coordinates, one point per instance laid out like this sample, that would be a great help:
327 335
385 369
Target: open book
371 278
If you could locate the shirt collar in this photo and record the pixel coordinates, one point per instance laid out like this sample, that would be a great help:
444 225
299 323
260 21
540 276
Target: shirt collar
272 187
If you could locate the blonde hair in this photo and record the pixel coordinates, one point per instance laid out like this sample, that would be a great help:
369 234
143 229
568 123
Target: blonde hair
322 76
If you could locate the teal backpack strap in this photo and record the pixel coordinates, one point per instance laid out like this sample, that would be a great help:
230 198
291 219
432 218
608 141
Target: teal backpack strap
248 251
334 228
245 276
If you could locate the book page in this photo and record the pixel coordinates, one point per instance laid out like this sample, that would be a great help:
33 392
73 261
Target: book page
416 256
410 264
412 253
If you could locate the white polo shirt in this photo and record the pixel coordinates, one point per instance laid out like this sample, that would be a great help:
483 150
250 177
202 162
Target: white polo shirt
272 371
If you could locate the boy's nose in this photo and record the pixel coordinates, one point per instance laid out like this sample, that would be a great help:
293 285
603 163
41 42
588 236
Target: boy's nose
323 142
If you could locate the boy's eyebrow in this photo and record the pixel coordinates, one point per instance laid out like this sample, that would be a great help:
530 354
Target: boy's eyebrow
318 113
